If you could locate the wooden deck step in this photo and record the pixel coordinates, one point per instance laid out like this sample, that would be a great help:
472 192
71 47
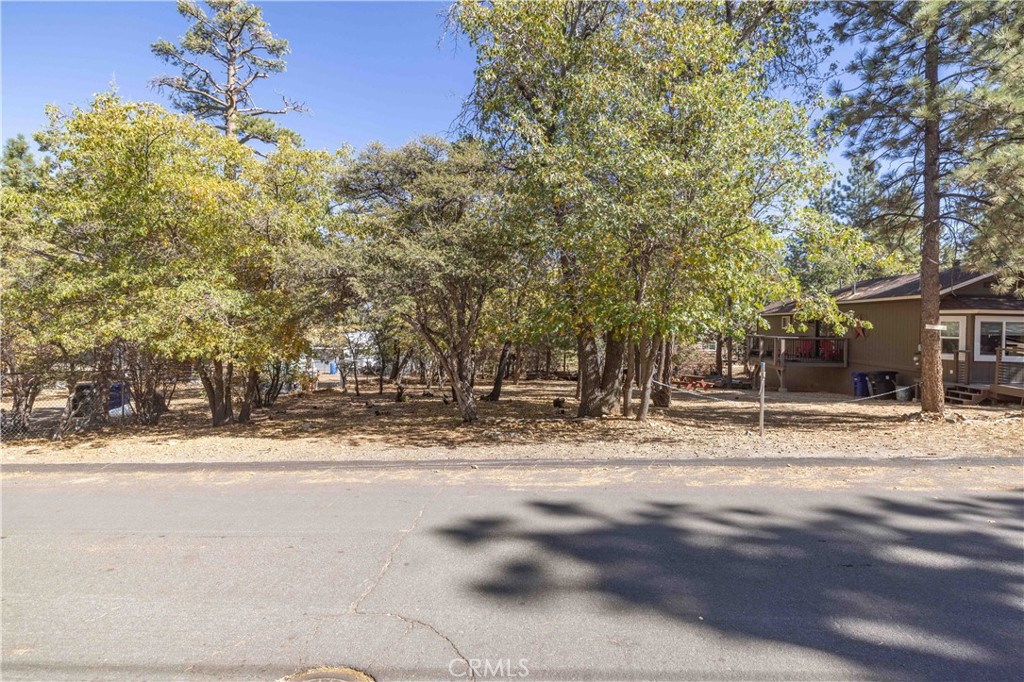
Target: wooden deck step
961 394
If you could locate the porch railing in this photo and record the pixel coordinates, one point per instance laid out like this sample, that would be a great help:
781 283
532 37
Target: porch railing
1009 372
959 373
812 350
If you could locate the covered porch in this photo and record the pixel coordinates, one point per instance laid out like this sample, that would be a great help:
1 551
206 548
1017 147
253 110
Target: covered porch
778 352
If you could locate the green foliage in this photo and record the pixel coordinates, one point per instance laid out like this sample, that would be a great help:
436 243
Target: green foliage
20 170
657 170
430 249
838 251
835 256
141 235
133 226
799 46
22 348
996 167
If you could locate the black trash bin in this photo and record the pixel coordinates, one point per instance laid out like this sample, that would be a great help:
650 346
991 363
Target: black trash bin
883 382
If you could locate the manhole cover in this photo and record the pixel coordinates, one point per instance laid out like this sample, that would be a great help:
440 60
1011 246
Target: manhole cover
328 674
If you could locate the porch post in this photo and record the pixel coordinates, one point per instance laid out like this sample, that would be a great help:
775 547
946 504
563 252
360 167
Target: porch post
781 369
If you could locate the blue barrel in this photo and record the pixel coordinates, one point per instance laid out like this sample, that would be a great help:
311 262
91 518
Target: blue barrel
332 367
119 396
860 384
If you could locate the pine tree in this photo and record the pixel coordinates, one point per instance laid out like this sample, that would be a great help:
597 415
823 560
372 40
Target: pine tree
915 112
20 170
997 161
221 58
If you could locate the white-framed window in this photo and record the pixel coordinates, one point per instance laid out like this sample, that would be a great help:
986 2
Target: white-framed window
992 332
709 345
786 321
954 336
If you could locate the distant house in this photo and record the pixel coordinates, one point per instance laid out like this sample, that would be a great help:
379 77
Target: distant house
982 339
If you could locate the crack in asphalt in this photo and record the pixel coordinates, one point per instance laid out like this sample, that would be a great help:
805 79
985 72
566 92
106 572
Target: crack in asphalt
316 633
356 606
402 534
414 622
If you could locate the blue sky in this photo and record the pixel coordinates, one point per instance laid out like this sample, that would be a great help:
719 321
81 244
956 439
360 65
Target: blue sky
367 71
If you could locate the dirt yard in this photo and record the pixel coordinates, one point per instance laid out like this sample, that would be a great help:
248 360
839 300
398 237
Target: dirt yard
329 425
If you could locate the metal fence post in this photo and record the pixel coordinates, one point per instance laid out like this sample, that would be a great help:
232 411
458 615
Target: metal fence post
762 400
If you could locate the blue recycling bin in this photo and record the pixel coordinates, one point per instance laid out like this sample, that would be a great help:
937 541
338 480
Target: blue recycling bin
119 396
860 384
332 367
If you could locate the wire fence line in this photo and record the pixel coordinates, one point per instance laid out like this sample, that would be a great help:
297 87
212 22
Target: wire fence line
33 408
695 393
41 406
134 390
733 399
761 403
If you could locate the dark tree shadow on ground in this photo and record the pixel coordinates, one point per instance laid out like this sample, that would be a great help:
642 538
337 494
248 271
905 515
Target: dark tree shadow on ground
926 590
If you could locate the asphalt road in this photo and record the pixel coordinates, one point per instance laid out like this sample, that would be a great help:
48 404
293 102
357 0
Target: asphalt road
418 576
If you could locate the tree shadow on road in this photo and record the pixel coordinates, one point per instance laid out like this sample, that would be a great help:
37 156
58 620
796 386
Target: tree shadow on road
926 589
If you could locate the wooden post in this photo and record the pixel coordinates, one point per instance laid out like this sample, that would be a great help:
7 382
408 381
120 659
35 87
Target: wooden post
761 391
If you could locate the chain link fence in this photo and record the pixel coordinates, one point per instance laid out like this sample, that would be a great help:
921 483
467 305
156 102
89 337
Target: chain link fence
34 408
45 407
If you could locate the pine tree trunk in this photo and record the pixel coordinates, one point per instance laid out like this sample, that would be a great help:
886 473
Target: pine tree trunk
932 392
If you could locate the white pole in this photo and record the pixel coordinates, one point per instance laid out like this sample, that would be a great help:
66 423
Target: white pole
762 400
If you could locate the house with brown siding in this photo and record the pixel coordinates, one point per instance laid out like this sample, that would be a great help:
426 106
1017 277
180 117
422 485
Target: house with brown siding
982 339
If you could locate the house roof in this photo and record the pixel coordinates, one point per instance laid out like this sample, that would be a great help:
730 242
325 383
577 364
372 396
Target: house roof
995 303
883 288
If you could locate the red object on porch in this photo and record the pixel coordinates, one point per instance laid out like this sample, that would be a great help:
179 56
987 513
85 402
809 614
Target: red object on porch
829 352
